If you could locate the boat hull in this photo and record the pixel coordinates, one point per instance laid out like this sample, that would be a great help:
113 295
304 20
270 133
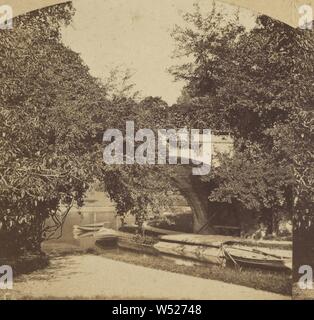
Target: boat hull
210 255
148 230
254 259
259 264
130 244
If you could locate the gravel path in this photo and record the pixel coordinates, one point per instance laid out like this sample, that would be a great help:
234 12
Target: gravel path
91 276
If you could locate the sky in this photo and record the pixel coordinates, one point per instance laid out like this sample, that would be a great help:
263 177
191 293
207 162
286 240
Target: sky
135 35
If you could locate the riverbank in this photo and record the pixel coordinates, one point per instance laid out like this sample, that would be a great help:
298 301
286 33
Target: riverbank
90 276
275 282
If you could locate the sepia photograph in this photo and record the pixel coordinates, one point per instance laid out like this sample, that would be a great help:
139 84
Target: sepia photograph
156 150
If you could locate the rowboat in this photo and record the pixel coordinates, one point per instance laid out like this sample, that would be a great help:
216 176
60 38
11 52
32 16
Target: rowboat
253 258
158 231
201 248
89 227
132 244
219 249
95 225
106 237
198 239
194 252
81 235
125 240
148 229
105 233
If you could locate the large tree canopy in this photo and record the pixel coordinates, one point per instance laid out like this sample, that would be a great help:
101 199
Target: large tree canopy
207 44
53 114
256 84
51 111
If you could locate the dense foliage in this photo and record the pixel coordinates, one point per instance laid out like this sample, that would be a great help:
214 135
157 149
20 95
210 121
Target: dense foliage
50 115
53 114
257 85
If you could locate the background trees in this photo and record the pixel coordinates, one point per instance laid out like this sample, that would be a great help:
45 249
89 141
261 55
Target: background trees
257 85
52 117
138 190
206 44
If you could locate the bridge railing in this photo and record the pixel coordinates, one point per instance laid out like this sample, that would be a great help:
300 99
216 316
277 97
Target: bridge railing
205 152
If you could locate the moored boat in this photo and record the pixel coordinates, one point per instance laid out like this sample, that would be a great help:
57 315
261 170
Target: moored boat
134 245
252 258
106 237
199 253
218 249
89 227
158 231
126 241
148 230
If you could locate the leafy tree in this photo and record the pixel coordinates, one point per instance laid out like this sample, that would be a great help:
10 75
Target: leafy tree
267 81
152 113
206 43
258 89
251 181
138 190
270 88
51 113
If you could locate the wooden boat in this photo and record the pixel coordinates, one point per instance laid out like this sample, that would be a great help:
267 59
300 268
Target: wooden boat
89 227
199 253
198 239
86 229
126 241
81 235
252 258
201 248
158 231
129 228
95 225
106 237
217 249
105 233
132 244
148 230
270 244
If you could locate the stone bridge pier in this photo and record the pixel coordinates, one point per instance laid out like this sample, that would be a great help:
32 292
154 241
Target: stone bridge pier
196 194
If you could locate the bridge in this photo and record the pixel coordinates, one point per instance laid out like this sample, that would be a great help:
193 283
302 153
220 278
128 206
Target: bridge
192 188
